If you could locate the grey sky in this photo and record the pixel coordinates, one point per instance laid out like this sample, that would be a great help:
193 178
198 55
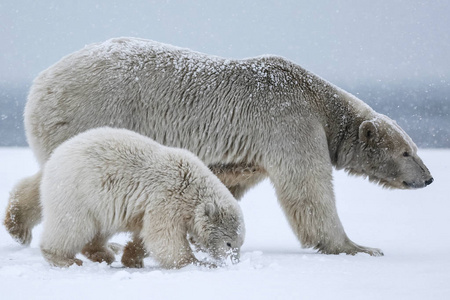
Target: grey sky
346 42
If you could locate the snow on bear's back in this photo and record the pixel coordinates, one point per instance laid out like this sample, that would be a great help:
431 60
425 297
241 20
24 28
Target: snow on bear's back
132 54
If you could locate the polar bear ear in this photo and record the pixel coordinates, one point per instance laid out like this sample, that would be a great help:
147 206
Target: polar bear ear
367 131
210 210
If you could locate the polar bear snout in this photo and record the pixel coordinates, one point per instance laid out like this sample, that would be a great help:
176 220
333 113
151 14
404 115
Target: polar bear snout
418 173
429 181
419 184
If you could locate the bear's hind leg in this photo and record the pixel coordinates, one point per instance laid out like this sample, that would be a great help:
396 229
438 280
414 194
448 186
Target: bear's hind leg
97 250
24 209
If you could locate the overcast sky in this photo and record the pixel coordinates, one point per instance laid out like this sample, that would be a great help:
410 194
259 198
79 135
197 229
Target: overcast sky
346 42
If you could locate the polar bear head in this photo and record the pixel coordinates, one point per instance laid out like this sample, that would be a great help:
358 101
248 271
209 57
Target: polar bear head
387 155
220 230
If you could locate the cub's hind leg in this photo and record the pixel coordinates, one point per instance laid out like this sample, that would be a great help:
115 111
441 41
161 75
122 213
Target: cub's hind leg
59 259
61 242
65 235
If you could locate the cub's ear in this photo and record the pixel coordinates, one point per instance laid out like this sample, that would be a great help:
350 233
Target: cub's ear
210 210
367 132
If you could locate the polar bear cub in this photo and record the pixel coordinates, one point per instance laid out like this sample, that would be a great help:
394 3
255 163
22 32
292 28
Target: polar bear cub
106 181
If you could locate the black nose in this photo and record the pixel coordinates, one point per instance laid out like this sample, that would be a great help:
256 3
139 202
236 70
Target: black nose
429 181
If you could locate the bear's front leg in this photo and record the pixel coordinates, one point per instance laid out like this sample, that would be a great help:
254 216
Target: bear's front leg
305 192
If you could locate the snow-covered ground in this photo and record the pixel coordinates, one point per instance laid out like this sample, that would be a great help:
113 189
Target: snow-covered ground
412 228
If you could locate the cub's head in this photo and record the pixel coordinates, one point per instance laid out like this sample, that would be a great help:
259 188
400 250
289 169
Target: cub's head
220 230
388 156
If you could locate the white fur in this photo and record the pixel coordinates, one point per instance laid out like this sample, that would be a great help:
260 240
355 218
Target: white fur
108 180
246 119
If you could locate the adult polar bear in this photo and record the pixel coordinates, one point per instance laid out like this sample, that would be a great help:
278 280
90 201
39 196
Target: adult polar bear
246 119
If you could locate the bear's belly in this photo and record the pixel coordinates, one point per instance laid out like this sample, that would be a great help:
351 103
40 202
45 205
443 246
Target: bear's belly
238 178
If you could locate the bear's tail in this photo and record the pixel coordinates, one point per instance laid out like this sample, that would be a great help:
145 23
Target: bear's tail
24 209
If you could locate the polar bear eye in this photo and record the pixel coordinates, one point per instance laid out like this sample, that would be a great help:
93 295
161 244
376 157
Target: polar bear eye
229 245
405 154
